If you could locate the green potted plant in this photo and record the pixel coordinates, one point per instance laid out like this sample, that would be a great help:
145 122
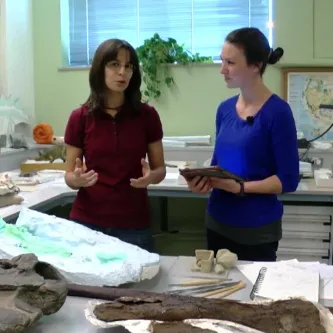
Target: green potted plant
154 54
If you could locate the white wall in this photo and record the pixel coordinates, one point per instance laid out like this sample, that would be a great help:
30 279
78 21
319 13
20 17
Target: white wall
17 67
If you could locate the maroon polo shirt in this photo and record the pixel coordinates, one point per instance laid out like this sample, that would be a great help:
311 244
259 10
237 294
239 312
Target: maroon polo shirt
113 147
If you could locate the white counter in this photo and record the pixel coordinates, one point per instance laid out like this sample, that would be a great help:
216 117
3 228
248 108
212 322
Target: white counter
49 193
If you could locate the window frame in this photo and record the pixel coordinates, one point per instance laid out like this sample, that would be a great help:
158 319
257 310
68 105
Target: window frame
3 49
65 36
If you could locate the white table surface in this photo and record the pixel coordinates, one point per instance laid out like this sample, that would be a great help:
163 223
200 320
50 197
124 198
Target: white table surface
71 317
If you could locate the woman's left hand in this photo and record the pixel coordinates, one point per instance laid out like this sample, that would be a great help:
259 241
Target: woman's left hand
228 185
146 179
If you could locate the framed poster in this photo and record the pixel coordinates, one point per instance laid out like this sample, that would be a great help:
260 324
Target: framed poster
309 92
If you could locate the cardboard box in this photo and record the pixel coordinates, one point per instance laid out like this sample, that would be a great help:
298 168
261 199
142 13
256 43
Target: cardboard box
34 167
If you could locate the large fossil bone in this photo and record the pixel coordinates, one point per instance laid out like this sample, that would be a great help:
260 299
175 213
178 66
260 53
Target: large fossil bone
287 316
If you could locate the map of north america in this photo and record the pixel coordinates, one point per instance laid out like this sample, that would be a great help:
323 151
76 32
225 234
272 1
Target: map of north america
306 92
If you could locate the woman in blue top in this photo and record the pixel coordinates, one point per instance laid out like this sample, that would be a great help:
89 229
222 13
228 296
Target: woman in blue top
256 139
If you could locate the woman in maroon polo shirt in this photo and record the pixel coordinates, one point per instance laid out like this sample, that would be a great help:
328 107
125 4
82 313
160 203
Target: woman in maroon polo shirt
113 131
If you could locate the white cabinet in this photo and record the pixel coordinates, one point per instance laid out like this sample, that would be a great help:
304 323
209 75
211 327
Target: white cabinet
293 30
306 233
323 29
303 28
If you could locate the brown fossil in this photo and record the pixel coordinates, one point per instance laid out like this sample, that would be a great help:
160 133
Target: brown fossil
29 289
177 327
289 316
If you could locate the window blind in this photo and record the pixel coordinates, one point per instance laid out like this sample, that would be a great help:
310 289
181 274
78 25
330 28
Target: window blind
201 25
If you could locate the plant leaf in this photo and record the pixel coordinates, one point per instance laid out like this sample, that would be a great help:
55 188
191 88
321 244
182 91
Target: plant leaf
156 52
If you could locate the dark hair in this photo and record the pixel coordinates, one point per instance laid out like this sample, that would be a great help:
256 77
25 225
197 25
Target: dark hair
106 52
256 47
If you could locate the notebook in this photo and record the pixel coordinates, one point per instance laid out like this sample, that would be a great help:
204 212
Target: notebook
282 282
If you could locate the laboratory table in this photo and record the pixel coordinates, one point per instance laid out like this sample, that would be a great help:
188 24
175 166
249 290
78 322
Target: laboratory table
71 317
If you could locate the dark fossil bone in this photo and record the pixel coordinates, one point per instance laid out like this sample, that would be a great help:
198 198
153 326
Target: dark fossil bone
29 289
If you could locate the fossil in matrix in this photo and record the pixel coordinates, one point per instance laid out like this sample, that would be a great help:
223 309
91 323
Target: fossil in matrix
29 289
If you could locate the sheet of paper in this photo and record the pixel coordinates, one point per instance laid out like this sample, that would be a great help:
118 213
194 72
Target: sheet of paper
251 271
285 281
325 271
326 289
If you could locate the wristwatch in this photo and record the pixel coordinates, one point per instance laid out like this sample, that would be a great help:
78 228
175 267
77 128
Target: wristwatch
241 191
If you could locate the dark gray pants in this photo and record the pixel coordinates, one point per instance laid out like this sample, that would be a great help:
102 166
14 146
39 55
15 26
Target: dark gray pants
259 252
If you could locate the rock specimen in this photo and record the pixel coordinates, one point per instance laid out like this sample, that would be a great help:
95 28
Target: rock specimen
29 289
226 258
204 260
288 316
219 269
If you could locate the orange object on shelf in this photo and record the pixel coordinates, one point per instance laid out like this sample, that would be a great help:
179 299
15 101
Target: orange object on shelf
43 133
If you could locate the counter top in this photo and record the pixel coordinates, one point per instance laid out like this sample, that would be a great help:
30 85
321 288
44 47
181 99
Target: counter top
306 186
48 194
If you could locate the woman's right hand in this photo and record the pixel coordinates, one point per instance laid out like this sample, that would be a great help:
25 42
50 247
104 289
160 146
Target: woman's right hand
199 184
81 178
